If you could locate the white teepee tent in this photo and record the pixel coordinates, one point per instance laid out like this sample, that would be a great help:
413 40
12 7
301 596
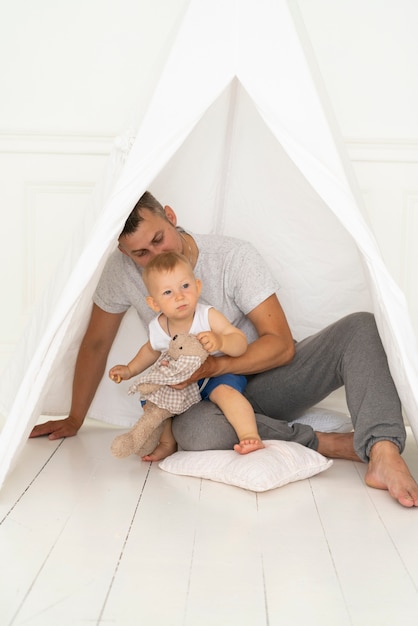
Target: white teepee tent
238 140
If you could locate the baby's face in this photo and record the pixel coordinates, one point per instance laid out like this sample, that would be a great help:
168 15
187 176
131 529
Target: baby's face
175 292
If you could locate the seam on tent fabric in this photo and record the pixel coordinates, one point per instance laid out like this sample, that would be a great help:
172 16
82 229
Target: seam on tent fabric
226 164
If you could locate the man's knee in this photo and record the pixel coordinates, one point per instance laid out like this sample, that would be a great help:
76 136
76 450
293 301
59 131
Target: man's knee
363 321
203 427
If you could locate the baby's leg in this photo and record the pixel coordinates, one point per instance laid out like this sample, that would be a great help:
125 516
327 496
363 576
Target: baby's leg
239 413
166 446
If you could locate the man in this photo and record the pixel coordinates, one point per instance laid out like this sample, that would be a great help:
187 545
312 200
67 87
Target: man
284 378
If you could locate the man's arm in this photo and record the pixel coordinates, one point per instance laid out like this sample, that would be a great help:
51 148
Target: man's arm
222 336
273 348
90 366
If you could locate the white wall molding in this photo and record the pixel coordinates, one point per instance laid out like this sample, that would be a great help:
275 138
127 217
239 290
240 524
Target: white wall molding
47 184
359 150
52 212
36 143
382 150
387 174
408 244
48 179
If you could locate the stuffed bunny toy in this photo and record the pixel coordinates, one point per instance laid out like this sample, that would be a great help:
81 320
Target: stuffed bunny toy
184 356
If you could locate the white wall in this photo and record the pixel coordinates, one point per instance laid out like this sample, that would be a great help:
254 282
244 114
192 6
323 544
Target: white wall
75 74
366 51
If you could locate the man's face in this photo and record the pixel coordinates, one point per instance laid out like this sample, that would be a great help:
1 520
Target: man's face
153 236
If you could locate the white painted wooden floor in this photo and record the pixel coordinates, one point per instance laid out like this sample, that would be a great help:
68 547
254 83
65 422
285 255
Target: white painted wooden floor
89 539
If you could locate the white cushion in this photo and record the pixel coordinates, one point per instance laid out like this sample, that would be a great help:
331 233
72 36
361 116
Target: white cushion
325 420
279 463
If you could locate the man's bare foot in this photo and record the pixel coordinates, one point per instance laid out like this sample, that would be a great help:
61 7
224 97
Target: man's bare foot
162 451
337 446
248 445
387 470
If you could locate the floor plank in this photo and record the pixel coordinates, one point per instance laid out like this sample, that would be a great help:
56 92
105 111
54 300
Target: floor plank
68 532
89 539
226 583
35 455
152 577
367 563
298 566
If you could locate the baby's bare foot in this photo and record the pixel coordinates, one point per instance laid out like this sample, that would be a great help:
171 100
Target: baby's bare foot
162 451
248 445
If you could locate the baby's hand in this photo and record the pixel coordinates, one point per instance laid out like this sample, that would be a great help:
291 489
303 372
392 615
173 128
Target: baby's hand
119 373
210 340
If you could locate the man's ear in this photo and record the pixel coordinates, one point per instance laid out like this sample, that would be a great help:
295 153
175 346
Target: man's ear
152 304
170 215
121 249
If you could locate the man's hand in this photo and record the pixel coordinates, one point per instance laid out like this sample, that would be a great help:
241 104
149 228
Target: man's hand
90 367
56 429
208 369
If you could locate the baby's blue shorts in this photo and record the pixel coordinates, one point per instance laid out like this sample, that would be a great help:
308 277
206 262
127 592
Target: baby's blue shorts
207 385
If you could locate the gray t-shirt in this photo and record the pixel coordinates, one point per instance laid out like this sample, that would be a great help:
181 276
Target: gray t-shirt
235 280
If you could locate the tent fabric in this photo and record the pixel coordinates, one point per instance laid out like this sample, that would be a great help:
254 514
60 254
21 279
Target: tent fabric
239 140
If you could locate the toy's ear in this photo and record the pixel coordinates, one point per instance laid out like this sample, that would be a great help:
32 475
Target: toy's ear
152 304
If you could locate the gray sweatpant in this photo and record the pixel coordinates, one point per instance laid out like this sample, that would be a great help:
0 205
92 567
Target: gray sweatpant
348 352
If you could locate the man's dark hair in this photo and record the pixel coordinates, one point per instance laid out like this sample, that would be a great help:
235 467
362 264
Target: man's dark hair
146 201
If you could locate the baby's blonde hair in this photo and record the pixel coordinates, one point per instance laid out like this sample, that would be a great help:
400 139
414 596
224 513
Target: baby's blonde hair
164 262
